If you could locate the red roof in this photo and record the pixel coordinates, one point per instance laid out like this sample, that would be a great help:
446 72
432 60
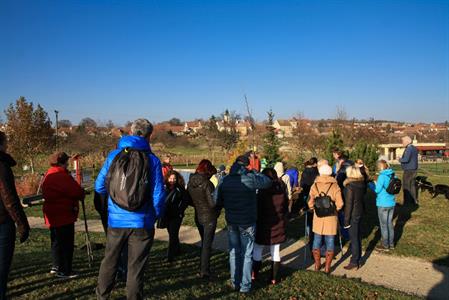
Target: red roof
431 148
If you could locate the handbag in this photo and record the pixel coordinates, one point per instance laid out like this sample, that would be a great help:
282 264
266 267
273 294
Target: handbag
324 206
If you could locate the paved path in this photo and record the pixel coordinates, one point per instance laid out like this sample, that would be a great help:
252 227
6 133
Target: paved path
410 275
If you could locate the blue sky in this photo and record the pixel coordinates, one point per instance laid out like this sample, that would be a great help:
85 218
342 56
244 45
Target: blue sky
121 60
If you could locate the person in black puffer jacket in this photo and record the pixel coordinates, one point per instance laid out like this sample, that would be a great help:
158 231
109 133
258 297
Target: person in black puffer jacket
355 189
201 191
176 203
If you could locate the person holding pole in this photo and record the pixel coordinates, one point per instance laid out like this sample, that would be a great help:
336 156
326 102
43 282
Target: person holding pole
61 206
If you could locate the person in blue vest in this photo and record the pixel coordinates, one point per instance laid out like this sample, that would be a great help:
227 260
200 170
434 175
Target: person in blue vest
409 164
134 228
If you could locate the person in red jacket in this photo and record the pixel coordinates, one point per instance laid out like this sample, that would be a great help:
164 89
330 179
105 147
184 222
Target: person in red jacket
62 195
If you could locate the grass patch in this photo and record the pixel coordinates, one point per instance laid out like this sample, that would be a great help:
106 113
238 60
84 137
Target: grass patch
29 278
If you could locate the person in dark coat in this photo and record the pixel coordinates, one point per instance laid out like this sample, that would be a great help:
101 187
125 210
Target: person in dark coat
355 189
272 210
61 206
308 177
176 203
11 213
237 193
201 191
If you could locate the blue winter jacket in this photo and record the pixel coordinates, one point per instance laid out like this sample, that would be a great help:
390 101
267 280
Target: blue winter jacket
147 215
293 174
384 199
409 160
237 193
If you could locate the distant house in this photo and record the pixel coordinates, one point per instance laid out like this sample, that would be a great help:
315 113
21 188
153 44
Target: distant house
192 127
177 130
243 127
394 151
285 128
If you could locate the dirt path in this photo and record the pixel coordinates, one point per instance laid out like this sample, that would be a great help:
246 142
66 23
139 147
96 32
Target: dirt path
410 275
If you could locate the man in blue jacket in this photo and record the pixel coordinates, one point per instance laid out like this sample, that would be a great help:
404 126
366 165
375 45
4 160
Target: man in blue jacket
132 228
237 193
409 164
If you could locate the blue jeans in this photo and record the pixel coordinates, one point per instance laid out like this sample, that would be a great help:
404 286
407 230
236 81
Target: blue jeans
329 240
241 245
386 225
7 243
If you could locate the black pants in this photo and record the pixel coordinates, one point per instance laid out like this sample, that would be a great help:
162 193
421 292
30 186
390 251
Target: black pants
409 187
7 243
356 240
207 233
139 241
62 246
173 226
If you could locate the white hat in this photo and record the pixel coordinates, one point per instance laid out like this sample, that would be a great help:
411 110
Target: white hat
325 170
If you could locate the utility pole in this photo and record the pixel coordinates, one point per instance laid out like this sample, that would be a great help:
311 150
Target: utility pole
56 138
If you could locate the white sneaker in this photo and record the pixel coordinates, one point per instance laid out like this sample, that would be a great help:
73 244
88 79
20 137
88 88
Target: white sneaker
66 276
53 270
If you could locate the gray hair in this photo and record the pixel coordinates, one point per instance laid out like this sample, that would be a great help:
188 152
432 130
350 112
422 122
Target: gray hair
141 127
406 139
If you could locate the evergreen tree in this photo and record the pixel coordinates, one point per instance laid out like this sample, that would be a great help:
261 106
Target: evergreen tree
333 141
271 142
367 152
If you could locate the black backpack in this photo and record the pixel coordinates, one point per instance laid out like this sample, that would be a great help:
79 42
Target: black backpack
128 179
324 206
394 186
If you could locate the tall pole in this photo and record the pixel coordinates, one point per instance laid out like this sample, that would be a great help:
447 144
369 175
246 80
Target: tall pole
57 125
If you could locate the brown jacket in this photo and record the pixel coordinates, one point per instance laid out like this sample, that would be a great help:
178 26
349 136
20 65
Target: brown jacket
10 206
326 225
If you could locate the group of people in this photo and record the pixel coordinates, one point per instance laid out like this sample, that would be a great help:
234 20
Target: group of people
257 201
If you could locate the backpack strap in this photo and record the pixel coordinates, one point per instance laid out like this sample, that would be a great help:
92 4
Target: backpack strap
329 188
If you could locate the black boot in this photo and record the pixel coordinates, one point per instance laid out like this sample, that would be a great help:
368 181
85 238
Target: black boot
256 268
275 266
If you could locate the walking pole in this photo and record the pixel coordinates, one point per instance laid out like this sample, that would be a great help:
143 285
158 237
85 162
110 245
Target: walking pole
306 234
339 238
90 255
79 179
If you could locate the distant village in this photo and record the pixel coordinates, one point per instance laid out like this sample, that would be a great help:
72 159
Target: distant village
432 139
285 128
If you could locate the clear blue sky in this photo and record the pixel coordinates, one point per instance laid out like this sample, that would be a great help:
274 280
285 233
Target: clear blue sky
160 59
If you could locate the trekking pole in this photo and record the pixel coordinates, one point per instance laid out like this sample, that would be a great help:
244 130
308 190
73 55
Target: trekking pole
306 234
90 255
79 179
339 238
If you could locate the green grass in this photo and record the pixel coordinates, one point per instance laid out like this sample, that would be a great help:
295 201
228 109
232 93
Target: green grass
29 278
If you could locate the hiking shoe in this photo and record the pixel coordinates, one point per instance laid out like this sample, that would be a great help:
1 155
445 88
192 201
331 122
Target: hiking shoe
66 276
391 247
382 248
54 270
